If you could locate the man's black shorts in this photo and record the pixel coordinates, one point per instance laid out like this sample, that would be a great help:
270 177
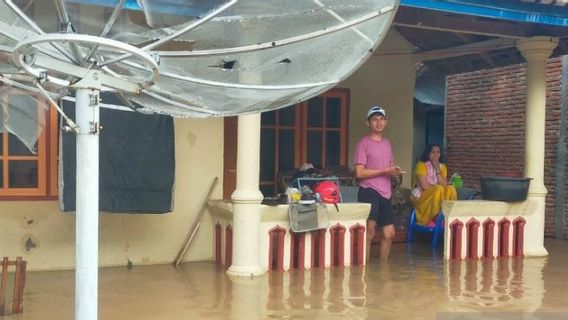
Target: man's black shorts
381 208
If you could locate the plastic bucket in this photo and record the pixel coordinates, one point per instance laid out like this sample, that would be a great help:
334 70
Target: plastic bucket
504 188
456 181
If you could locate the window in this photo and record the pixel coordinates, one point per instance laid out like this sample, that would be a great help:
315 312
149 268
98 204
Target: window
314 131
279 145
23 173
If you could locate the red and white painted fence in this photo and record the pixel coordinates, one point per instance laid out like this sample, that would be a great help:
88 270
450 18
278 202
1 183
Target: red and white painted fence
340 244
485 229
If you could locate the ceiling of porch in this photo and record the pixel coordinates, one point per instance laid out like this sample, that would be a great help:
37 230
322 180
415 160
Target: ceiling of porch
448 42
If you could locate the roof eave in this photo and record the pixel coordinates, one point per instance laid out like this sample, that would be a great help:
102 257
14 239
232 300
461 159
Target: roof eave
514 11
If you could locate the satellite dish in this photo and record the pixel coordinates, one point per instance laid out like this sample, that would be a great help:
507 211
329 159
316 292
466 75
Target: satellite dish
215 58
194 58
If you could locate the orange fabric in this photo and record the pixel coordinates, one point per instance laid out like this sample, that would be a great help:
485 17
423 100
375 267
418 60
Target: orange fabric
421 170
429 204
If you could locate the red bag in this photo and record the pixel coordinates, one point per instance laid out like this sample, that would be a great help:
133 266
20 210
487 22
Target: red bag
328 191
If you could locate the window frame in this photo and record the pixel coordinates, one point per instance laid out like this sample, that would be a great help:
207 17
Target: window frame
297 141
343 95
301 130
47 152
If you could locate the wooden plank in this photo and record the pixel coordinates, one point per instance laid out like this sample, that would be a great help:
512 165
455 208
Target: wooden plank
3 286
18 288
195 225
23 269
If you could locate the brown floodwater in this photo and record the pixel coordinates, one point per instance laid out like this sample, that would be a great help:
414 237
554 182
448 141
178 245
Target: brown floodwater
414 284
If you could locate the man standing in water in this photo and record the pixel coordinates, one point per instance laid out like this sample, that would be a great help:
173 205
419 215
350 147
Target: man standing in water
374 167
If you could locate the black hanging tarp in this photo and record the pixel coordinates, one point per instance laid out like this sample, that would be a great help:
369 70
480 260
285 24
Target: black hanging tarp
137 162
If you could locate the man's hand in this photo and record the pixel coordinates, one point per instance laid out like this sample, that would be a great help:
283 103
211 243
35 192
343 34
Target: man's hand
395 171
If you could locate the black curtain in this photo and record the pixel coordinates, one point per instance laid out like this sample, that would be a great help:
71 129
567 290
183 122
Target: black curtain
137 161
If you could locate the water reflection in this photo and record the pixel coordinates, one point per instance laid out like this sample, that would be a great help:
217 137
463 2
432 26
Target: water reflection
511 283
335 290
419 284
410 286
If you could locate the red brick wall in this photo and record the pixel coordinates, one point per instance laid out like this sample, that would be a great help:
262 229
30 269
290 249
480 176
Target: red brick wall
485 120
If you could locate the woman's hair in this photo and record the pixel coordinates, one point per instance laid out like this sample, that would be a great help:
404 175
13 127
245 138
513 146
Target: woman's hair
426 154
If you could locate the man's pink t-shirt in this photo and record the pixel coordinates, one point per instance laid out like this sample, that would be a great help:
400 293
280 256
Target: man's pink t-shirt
375 154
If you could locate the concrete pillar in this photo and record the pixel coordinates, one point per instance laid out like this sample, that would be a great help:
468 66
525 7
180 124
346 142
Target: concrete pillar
536 50
246 200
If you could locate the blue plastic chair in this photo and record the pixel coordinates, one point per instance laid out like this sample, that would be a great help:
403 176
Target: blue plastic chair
437 230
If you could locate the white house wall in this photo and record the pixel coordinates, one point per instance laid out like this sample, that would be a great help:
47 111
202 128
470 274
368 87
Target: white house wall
386 79
140 238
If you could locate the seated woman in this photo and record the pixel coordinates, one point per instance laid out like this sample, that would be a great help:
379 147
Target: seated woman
432 185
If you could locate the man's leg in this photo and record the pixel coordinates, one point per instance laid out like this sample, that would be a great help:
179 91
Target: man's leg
371 235
386 240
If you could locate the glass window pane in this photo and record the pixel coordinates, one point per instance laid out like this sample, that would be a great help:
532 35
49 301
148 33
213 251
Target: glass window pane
23 174
286 150
315 148
287 116
315 112
17 148
332 155
267 154
268 118
333 113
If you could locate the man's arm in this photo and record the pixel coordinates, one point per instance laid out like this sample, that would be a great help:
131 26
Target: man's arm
364 173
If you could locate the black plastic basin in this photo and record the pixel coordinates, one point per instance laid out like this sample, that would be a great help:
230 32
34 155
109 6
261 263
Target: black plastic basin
505 188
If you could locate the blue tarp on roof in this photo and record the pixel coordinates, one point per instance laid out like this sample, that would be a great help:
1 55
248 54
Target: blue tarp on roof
503 10
519 11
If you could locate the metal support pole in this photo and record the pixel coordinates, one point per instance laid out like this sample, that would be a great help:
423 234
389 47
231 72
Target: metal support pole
87 203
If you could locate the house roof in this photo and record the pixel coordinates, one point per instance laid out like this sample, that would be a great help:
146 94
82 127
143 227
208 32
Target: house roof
561 3
464 35
549 12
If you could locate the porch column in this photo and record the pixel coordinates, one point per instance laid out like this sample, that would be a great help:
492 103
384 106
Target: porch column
246 199
536 50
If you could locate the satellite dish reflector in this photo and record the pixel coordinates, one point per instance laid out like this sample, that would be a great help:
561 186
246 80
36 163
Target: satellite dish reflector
192 58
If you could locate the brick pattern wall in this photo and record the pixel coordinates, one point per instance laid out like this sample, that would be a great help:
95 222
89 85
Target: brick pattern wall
485 120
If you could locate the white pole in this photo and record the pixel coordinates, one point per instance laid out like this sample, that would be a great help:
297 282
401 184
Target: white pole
246 200
87 203
536 51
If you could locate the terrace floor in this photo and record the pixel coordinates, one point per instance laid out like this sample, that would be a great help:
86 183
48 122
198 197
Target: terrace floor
412 285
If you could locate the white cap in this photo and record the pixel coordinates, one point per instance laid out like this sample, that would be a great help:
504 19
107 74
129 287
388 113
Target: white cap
376 110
